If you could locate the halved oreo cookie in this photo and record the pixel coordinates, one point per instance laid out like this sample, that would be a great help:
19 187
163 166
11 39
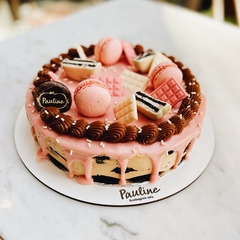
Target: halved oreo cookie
53 94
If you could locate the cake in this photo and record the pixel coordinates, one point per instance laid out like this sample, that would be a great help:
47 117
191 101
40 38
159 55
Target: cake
115 113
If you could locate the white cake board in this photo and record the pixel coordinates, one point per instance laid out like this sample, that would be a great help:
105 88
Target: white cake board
115 195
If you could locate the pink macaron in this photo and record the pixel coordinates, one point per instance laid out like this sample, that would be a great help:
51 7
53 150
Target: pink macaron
165 71
108 50
92 98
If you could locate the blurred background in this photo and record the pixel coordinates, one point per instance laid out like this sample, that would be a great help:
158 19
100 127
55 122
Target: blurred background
18 16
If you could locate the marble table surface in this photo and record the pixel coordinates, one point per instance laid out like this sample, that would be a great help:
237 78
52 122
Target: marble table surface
208 208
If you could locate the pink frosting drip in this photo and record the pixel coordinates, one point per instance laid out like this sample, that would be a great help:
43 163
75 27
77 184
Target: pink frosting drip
84 151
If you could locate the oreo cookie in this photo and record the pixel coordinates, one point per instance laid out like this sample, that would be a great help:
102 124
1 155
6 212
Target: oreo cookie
53 94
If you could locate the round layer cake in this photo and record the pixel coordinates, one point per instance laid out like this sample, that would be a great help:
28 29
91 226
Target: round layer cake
115 113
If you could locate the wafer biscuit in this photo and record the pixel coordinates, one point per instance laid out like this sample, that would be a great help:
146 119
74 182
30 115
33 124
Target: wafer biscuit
170 91
126 111
81 52
134 81
114 83
150 106
79 69
143 61
158 58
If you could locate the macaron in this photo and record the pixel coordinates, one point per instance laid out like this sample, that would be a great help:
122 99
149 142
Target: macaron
92 98
163 72
108 50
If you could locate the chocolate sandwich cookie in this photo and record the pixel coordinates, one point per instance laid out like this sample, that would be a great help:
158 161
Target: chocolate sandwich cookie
53 94
80 69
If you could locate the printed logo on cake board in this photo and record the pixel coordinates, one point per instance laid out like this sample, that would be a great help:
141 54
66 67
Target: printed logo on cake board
115 195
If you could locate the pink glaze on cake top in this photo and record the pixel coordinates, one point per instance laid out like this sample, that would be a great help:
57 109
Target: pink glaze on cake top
163 72
92 98
83 150
108 50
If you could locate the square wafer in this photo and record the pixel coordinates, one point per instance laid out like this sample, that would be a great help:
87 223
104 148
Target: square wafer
134 81
143 61
126 111
170 91
114 83
158 58
81 52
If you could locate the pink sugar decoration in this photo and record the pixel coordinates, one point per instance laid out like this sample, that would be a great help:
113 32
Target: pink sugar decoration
170 91
128 51
114 83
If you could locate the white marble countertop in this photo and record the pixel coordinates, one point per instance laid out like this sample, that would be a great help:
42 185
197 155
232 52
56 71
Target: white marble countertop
208 208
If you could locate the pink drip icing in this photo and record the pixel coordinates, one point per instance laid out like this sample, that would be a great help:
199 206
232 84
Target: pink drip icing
86 160
123 167
84 181
87 179
118 151
156 160
33 133
190 148
41 155
155 151
123 159
179 156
